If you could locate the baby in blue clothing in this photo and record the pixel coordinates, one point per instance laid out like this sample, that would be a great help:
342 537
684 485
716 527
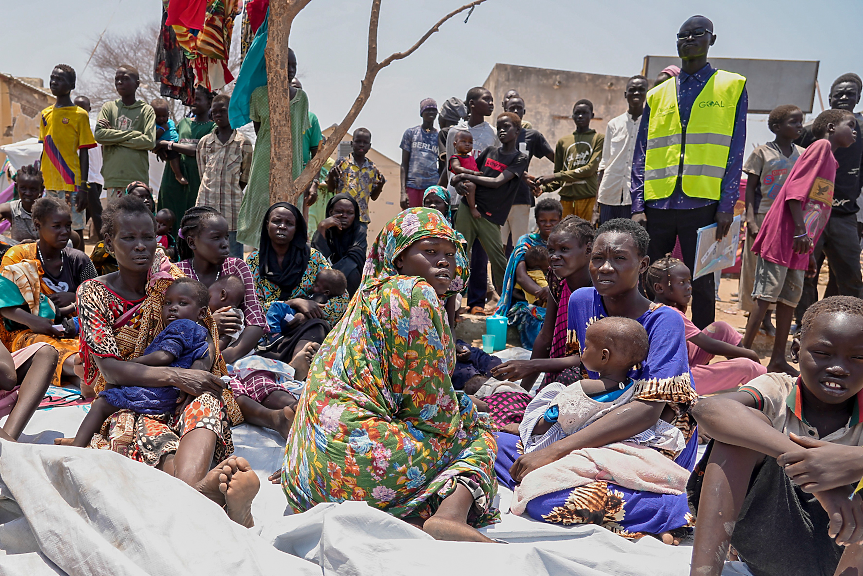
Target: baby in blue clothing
167 130
184 343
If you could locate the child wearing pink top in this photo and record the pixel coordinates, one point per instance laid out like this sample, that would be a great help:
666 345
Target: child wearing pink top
672 285
791 228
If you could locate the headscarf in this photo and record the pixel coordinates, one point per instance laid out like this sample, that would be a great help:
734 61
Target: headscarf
288 276
253 74
399 234
453 110
672 70
443 194
340 242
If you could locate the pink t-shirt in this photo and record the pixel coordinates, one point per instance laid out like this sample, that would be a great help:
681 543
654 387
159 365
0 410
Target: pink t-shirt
811 181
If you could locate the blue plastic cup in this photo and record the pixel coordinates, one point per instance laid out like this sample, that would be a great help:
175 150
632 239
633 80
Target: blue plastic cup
488 343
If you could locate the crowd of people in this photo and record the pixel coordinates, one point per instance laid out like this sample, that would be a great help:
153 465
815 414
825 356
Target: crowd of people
177 333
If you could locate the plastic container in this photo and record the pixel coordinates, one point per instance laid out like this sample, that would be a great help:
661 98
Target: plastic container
488 343
497 325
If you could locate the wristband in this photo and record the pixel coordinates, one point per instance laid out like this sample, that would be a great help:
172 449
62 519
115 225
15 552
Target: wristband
801 236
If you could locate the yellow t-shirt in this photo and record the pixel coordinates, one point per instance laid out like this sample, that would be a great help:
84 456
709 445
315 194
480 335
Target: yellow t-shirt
63 131
537 276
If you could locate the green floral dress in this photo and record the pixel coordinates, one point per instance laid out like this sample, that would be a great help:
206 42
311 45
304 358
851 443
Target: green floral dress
379 420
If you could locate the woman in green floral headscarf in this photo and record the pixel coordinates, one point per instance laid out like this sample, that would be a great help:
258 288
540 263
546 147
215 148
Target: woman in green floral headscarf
379 419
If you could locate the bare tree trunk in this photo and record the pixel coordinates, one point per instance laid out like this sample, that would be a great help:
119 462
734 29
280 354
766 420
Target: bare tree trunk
282 14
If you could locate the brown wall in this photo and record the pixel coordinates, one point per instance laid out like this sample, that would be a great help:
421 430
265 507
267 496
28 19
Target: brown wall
20 105
549 96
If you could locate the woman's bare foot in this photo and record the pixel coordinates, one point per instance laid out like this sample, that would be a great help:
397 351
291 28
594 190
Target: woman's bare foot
210 486
282 421
64 441
447 529
783 366
239 488
303 359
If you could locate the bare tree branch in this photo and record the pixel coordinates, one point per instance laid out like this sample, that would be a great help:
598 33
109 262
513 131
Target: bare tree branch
313 168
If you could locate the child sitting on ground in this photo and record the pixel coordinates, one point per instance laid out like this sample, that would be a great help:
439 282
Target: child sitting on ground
165 220
613 346
776 484
167 131
228 292
463 162
791 230
184 343
536 262
672 286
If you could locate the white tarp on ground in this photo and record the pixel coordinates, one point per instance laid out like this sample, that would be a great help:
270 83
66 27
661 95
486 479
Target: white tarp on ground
78 511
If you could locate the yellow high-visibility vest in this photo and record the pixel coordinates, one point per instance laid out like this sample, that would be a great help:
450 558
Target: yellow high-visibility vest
699 155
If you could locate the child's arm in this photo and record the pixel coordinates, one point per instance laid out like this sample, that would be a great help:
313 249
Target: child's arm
157 358
485 181
6 211
752 227
159 132
720 348
456 167
802 242
528 285
206 362
379 185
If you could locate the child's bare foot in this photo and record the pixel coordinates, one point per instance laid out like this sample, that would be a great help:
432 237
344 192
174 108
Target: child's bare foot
239 488
447 529
64 441
282 421
782 366
303 359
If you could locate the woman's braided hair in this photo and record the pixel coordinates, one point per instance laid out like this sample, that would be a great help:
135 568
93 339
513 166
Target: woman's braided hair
191 225
29 171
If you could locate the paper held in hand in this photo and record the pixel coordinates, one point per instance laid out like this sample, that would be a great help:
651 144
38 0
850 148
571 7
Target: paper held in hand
712 255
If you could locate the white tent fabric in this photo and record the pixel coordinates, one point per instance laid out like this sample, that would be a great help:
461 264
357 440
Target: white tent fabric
81 512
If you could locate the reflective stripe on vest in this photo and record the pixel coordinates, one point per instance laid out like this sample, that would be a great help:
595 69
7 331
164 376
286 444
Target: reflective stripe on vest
700 155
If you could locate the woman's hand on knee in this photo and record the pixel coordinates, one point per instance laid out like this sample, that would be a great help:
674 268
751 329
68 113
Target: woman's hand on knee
527 463
846 515
197 382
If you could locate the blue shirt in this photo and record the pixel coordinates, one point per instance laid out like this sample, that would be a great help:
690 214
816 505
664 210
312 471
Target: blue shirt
422 166
689 86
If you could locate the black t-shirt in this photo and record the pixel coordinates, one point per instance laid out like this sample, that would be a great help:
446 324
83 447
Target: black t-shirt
847 187
535 146
77 268
494 203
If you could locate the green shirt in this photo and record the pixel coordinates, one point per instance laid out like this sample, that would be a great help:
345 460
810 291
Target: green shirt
576 162
126 144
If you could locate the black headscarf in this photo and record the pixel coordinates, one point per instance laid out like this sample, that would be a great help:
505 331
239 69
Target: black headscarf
288 276
339 244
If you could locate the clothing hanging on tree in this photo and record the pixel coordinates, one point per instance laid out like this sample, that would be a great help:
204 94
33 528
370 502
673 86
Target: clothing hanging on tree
208 48
171 69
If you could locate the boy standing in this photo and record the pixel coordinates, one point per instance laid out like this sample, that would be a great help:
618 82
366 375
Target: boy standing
357 175
94 188
613 199
839 244
775 481
534 144
224 161
502 167
479 103
791 229
419 157
64 130
126 129
767 168
576 162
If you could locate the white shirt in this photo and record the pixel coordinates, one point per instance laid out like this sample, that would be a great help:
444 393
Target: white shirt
616 161
95 155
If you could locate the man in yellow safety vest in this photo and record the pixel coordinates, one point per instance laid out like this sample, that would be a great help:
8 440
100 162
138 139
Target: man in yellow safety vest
689 156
